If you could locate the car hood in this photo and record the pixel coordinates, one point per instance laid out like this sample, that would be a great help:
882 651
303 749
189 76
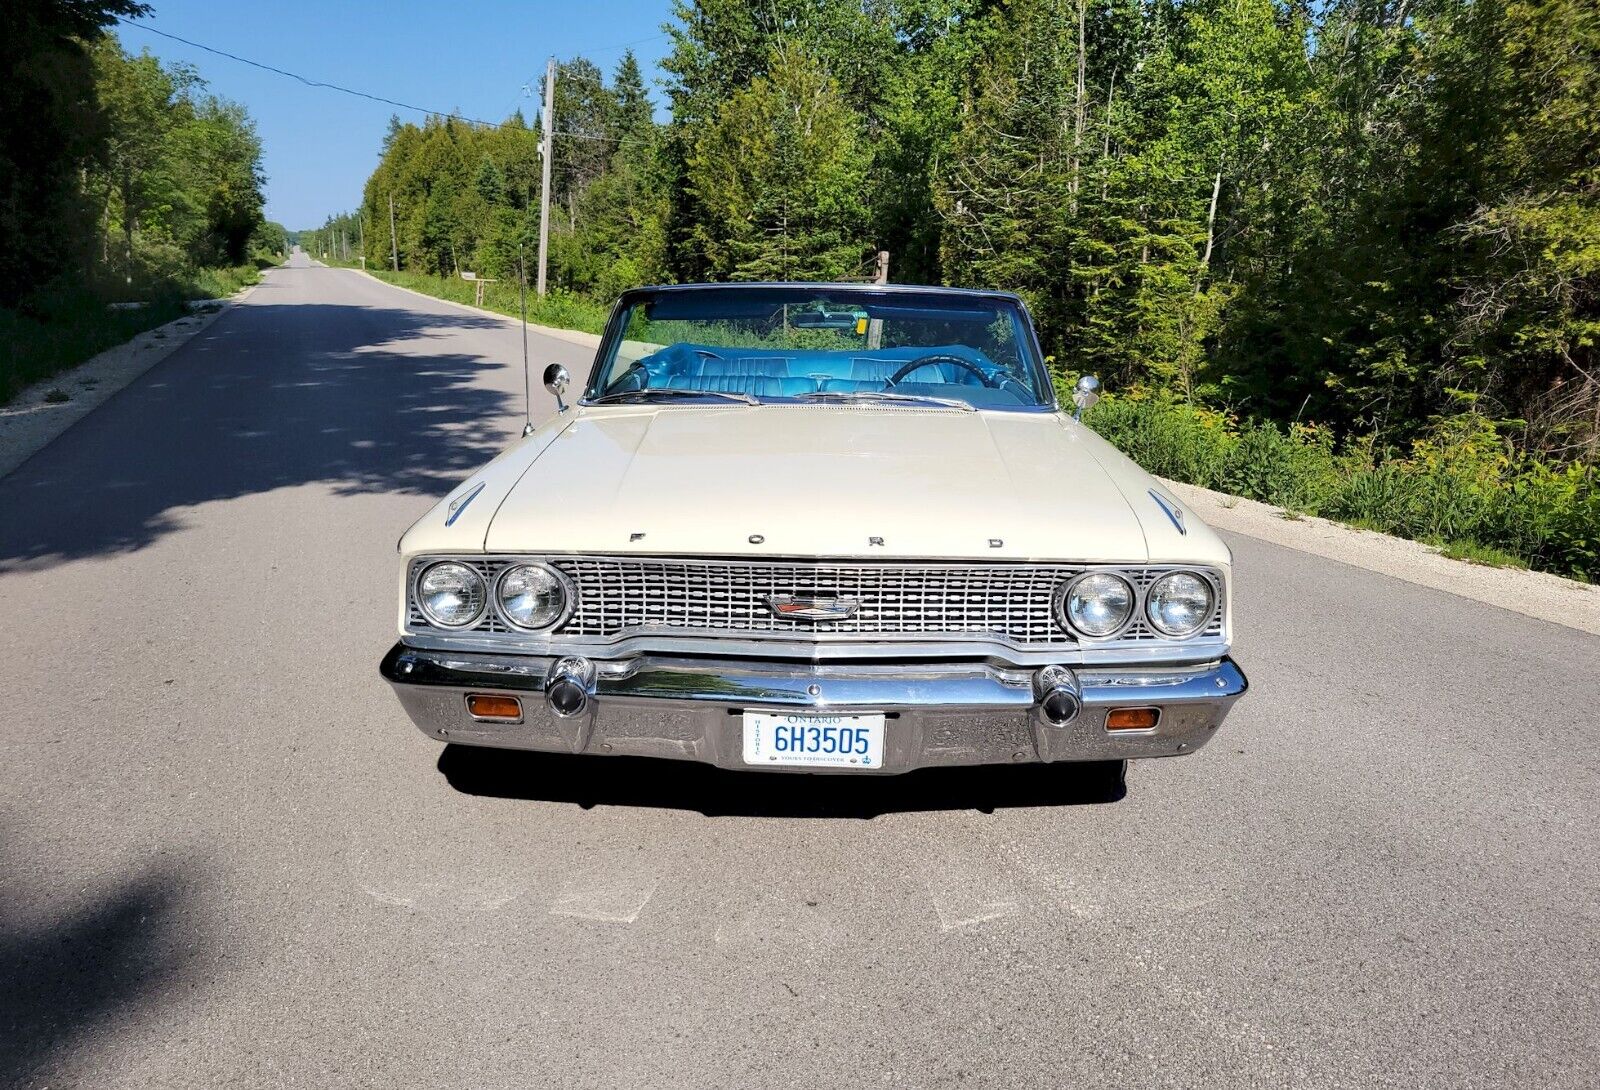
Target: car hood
846 481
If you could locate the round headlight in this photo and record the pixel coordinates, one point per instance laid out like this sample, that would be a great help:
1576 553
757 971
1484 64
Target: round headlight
451 595
1179 604
1099 604
531 596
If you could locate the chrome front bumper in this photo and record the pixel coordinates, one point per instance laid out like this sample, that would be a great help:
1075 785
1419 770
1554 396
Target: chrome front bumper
962 713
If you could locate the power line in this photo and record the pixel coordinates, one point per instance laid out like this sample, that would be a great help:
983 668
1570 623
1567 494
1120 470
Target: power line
377 98
307 80
621 45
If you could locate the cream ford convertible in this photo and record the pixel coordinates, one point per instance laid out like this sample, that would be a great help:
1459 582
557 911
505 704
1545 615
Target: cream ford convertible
821 528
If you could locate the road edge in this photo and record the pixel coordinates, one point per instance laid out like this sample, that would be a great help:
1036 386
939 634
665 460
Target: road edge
29 423
571 336
1540 595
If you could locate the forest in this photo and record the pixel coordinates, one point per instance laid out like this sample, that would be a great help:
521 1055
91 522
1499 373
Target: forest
122 181
1341 256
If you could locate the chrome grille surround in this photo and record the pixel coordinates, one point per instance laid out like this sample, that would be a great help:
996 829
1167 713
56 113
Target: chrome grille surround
675 601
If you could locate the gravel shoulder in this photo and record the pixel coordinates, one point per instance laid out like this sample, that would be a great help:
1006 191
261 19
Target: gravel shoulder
31 421
1530 593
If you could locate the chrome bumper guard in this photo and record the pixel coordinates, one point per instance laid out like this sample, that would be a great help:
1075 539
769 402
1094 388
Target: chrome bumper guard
961 713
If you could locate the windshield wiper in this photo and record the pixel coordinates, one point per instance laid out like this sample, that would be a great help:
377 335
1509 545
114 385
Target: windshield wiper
886 395
623 396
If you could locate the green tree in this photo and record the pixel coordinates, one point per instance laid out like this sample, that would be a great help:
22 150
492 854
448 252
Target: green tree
51 130
780 173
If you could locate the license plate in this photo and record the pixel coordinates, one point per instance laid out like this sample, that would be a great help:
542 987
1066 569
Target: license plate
831 741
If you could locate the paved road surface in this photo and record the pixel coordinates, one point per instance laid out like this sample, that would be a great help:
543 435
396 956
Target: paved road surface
227 858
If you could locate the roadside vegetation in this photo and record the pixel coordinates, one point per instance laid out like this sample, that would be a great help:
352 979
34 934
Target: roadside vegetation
1458 484
125 190
560 310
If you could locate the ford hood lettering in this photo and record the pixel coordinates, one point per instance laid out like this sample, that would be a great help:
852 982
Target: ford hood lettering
818 480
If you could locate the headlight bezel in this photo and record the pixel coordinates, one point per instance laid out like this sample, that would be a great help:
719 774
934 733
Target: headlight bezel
1139 624
1064 608
1149 611
422 602
569 596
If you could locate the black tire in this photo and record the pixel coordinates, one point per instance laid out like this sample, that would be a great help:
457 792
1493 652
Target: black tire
1106 779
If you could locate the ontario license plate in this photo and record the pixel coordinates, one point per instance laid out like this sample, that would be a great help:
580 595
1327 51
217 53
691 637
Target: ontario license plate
832 741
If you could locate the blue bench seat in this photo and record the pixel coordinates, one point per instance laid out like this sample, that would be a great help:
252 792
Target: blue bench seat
797 372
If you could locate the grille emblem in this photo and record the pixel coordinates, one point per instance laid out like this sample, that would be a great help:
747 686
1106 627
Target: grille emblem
802 607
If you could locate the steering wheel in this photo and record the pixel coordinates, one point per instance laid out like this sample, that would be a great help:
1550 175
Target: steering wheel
938 357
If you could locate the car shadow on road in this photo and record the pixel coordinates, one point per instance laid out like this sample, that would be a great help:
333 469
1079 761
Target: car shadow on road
716 792
362 399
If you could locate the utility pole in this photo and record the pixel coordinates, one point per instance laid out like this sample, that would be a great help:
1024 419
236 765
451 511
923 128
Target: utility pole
548 125
394 243
880 275
522 299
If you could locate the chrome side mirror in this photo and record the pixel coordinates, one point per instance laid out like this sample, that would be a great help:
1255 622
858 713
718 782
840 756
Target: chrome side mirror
1085 394
555 380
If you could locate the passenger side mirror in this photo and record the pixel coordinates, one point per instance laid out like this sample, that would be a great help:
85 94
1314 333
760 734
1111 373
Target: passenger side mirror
555 380
1085 394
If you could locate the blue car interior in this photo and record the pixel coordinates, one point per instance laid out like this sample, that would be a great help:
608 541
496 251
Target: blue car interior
784 372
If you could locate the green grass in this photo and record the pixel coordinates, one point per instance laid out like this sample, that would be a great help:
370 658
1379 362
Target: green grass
1457 487
558 310
1486 555
69 328
223 282
60 326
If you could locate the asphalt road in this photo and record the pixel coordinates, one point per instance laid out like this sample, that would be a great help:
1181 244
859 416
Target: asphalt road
226 857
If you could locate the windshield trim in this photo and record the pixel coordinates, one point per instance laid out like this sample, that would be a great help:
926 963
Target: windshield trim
609 340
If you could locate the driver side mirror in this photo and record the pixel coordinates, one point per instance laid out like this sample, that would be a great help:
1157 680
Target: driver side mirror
555 380
1085 394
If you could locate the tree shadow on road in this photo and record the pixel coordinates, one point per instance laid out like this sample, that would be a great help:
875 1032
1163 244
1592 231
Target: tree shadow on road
362 398
715 792
64 978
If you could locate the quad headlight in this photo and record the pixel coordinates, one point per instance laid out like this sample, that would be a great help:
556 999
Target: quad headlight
1098 604
531 596
451 595
1179 604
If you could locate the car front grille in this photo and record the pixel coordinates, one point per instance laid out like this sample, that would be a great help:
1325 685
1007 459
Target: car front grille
619 596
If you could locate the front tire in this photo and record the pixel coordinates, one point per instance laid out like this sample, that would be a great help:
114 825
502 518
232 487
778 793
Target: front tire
1106 779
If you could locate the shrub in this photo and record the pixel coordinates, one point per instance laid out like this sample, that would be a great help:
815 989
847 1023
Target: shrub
1295 470
1551 516
1458 486
1166 437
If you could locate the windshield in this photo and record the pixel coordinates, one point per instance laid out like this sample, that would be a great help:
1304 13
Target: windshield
801 343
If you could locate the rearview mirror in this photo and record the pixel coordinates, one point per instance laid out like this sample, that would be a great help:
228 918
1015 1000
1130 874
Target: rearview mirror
824 319
555 380
1085 394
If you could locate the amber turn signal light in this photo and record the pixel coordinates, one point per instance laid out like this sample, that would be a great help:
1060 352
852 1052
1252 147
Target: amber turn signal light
485 706
1132 718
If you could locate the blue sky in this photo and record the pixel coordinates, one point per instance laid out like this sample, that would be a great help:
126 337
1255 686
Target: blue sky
468 58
